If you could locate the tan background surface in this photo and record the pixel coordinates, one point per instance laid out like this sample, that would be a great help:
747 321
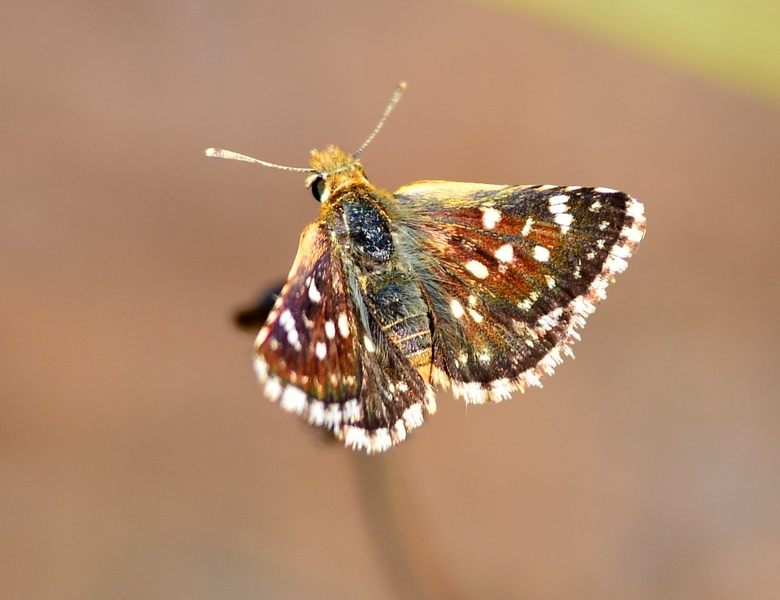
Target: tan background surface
138 458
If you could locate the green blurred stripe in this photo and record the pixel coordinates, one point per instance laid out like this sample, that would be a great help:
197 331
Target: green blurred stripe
736 42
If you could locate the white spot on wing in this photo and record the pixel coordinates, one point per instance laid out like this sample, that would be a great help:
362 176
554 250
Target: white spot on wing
333 416
500 389
558 204
477 268
550 320
352 411
343 325
287 322
413 416
400 430
490 216
293 399
475 315
528 302
529 222
615 264
471 392
457 308
380 440
273 389
541 253
505 253
558 208
565 221
635 235
317 413
321 350
330 329
635 209
357 438
314 293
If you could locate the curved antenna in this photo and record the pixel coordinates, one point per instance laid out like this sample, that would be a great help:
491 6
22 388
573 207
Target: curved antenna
220 153
393 101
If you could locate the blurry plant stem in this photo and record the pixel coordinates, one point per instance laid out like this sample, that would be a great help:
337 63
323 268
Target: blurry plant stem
403 546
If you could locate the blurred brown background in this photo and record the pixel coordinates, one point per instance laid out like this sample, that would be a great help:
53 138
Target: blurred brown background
138 457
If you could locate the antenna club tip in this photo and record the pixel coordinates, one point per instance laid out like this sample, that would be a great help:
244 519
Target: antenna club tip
402 85
212 152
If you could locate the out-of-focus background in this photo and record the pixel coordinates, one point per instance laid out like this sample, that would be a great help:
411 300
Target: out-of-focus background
138 456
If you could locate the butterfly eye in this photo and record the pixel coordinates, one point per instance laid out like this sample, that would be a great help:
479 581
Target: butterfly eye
318 189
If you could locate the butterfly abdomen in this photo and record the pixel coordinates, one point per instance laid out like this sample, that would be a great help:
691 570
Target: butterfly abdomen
396 303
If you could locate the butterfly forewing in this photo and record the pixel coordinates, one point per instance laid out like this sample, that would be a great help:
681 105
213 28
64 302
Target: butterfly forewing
511 271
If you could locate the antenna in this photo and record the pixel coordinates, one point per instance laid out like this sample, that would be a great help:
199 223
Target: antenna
220 153
393 101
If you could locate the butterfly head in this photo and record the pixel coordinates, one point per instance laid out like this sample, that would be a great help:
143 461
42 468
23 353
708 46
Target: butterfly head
333 170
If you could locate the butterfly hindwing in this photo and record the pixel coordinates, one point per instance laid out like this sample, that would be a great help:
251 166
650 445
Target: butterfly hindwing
511 271
393 396
307 354
321 355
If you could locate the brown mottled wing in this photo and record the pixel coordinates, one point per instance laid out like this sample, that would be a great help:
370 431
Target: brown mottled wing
510 272
319 356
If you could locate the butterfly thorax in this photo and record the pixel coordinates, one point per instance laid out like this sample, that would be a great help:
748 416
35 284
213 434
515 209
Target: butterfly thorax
355 215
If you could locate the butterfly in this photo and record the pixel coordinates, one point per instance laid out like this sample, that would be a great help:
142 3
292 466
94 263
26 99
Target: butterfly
474 287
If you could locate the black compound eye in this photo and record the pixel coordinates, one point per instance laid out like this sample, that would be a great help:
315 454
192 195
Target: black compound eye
318 188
